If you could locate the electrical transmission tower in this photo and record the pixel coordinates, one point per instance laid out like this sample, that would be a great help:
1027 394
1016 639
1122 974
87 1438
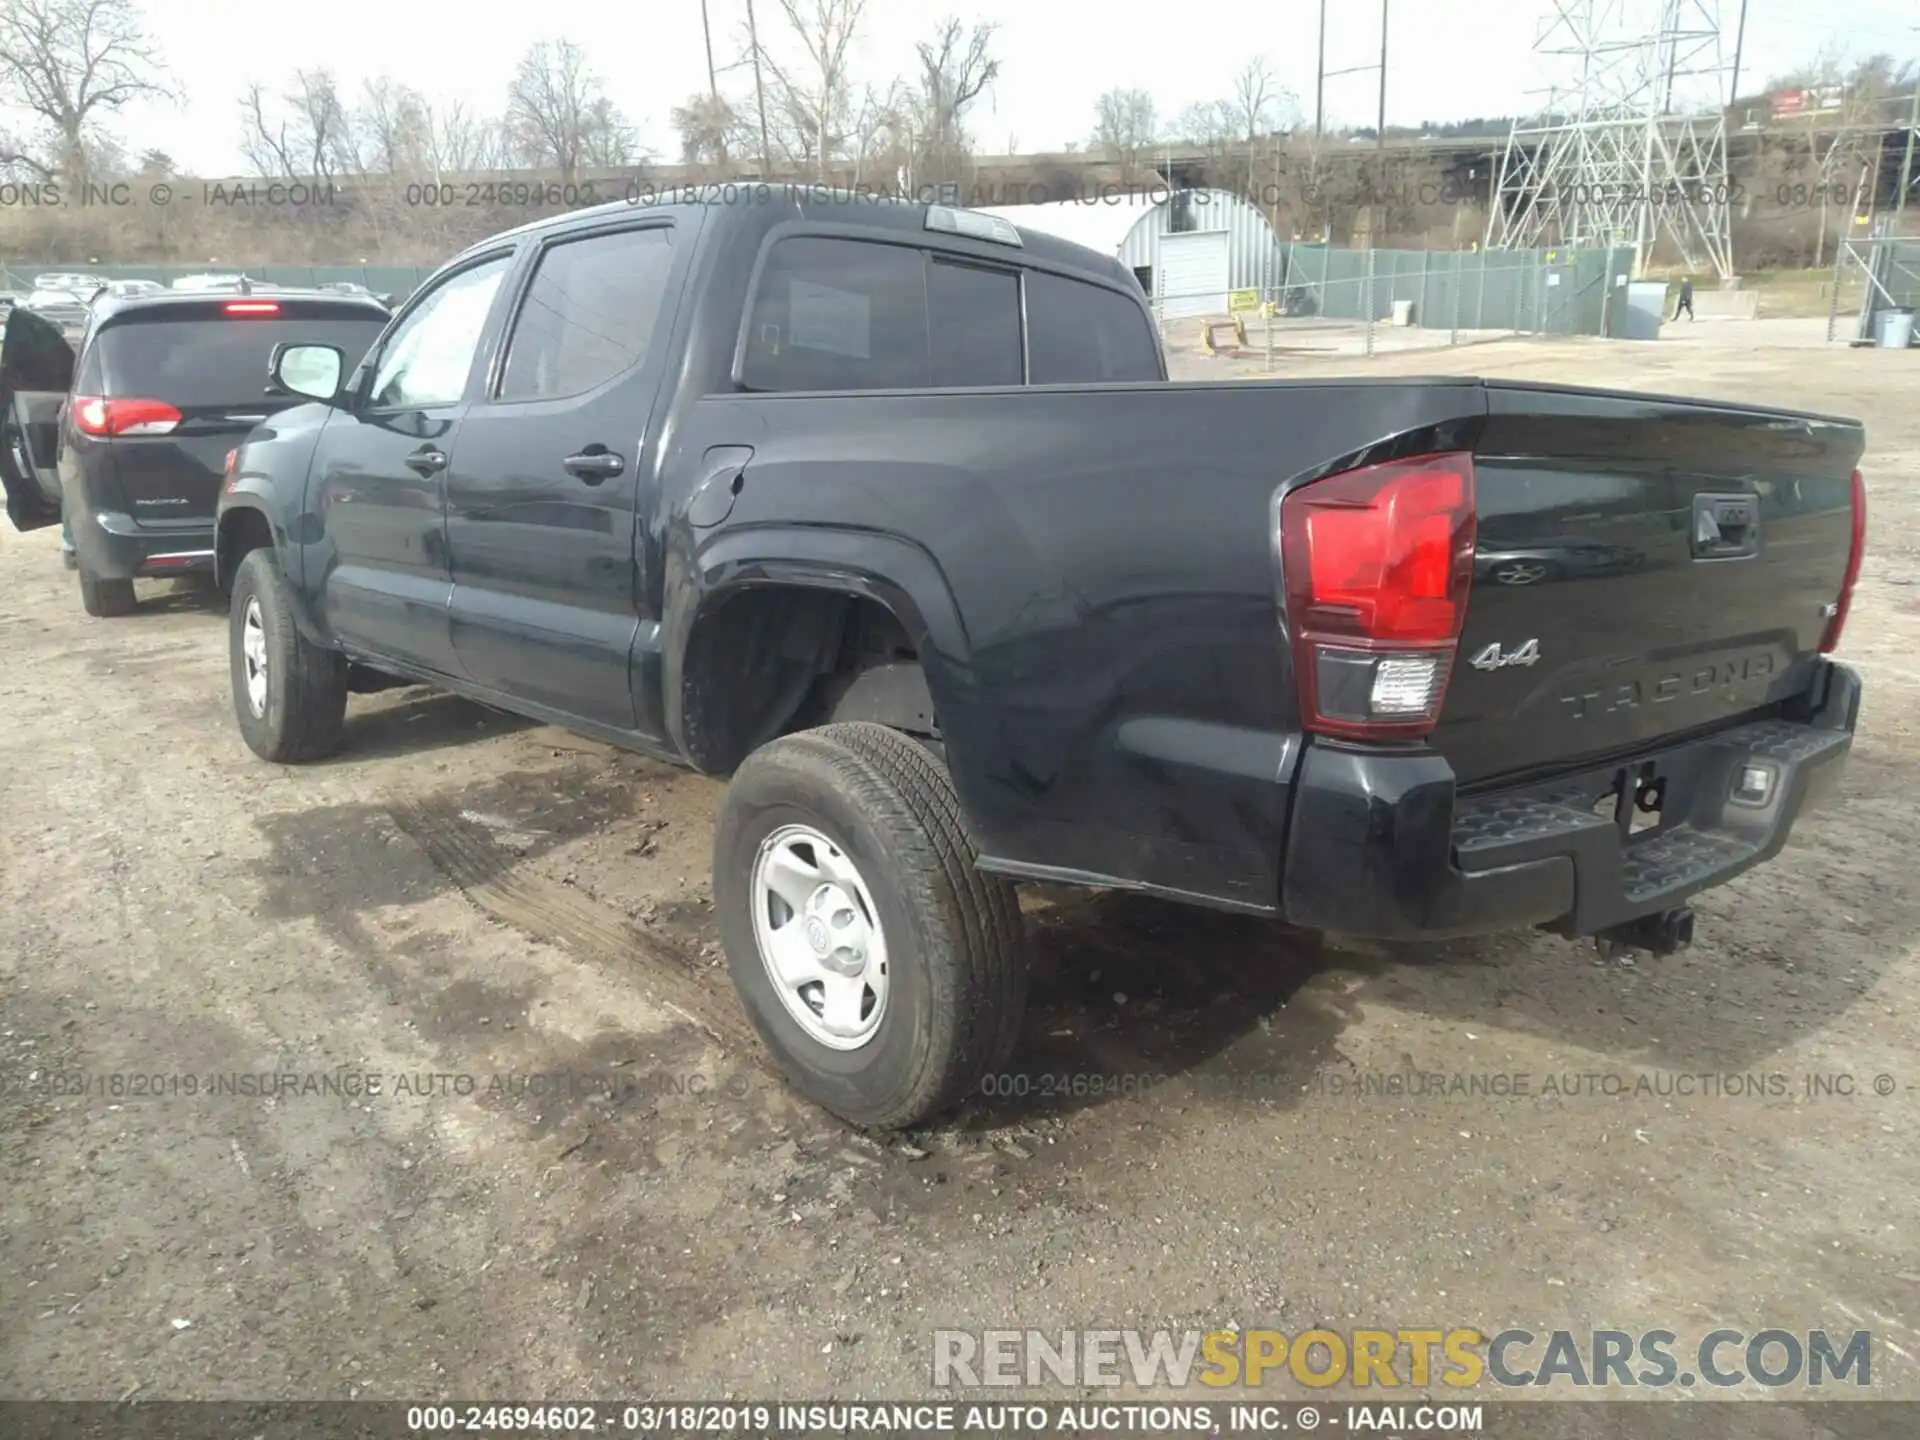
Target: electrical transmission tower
1632 146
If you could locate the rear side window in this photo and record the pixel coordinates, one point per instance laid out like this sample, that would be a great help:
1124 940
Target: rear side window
214 360
1080 334
839 315
975 321
589 313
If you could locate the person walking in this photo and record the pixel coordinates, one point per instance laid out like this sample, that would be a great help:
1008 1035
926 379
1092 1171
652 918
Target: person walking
1686 299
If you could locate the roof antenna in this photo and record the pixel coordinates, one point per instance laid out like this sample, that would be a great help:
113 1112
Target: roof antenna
246 286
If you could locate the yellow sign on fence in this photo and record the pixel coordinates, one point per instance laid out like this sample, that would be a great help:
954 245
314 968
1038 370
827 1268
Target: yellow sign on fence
1242 300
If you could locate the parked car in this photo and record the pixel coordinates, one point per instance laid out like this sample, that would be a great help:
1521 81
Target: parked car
886 512
80 282
351 287
215 283
121 289
64 308
130 437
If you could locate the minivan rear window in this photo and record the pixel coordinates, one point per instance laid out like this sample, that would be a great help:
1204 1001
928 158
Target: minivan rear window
217 359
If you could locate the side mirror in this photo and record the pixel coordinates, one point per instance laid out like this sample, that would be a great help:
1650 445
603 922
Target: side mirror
309 370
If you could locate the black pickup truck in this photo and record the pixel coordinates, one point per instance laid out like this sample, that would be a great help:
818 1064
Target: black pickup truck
888 512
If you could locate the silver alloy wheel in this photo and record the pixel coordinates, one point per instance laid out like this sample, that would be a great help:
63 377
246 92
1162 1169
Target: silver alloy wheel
253 651
819 937
1520 572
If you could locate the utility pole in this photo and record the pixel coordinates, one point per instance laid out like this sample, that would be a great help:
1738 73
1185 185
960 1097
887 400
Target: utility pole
1380 132
759 95
1739 43
706 28
1906 164
1320 81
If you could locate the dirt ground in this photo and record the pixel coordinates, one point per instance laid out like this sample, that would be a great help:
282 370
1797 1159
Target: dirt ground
461 902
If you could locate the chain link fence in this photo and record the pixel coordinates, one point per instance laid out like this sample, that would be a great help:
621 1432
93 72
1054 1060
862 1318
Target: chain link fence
1360 301
1870 279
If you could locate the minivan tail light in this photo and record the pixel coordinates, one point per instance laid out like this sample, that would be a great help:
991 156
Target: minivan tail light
99 416
1856 552
1376 564
251 307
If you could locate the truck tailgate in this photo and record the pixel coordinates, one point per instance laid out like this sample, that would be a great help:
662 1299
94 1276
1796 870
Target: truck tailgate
1642 568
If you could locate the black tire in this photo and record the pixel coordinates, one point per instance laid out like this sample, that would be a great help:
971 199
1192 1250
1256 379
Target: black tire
108 599
306 684
957 971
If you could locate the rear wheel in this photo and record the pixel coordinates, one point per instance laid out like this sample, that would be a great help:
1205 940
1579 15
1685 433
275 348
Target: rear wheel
289 694
107 598
884 971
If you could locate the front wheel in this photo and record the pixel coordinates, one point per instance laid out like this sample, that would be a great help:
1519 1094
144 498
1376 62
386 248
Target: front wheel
884 971
289 694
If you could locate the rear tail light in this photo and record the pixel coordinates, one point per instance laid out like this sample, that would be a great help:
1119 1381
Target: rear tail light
97 415
1377 564
1856 552
251 307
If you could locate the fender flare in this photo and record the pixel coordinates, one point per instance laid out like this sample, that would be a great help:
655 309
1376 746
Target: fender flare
254 497
894 573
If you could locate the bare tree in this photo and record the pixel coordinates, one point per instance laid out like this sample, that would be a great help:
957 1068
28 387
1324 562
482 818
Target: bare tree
956 65
878 132
394 134
705 125
1208 123
558 116
71 64
460 142
1125 124
1254 96
304 133
812 92
607 140
1844 135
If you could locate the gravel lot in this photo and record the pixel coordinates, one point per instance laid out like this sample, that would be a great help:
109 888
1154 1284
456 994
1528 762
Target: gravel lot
466 901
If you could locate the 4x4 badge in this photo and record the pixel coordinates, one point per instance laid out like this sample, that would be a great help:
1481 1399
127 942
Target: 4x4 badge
1494 658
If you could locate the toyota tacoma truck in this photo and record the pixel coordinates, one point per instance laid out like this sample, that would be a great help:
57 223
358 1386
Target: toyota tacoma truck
888 512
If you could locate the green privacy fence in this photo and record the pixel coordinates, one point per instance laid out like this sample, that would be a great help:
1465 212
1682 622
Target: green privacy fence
396 280
1544 292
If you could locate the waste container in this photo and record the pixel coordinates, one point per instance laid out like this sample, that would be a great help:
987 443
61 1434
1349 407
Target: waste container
1896 328
1403 312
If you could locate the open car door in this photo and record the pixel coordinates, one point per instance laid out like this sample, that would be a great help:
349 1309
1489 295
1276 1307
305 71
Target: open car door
36 371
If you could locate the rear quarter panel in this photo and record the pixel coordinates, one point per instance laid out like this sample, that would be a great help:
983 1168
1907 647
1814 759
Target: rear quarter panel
1116 697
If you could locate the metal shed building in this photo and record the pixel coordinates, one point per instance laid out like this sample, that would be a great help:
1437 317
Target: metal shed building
1187 247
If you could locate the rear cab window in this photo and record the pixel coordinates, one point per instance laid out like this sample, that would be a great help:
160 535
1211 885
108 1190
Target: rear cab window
1079 334
835 314
208 358
589 313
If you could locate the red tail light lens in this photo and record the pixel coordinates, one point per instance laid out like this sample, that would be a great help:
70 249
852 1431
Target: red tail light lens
251 307
1377 565
96 415
1856 552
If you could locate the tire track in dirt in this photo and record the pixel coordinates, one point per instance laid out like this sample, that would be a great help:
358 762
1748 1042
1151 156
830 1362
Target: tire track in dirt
670 971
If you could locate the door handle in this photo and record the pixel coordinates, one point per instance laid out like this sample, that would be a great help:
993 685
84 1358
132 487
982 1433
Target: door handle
594 465
427 462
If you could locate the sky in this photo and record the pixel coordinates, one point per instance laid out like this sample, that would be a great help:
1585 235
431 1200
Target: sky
1447 59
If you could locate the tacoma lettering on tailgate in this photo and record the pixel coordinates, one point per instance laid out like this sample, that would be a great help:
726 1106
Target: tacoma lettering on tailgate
1732 675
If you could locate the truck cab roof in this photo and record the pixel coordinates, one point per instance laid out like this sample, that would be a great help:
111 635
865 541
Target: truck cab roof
765 205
